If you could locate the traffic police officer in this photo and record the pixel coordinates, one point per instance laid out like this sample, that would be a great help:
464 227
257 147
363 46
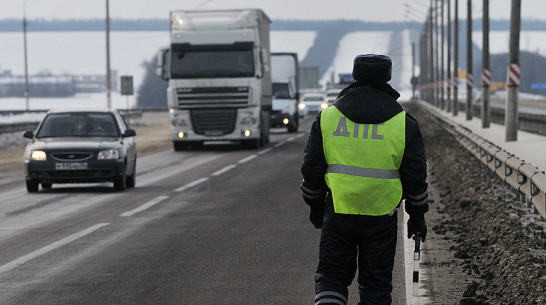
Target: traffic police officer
364 155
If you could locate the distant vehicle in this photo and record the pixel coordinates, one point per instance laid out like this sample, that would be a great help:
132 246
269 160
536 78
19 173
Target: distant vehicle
219 72
312 103
284 74
331 95
80 146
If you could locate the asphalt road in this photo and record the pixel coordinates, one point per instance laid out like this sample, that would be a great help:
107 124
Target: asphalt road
221 225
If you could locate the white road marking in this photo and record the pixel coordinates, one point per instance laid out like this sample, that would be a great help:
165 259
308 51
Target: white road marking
145 206
291 139
300 135
279 145
23 259
223 170
265 151
247 159
191 184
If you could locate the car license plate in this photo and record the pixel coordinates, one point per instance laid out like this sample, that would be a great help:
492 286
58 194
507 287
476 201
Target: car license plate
71 166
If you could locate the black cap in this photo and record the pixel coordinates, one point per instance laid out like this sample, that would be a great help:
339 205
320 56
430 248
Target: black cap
372 68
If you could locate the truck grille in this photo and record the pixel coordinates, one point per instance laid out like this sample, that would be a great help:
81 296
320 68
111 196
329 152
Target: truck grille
189 98
213 122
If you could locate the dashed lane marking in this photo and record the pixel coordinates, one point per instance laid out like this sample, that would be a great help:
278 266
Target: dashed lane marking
191 184
23 259
279 144
265 151
247 159
291 139
145 206
223 170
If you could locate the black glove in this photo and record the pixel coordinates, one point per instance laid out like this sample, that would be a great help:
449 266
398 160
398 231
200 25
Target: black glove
316 216
416 224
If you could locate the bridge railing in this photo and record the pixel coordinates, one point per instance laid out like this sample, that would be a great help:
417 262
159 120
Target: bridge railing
520 175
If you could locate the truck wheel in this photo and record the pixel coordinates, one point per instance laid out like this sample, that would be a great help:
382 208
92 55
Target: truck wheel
180 146
46 185
32 186
292 127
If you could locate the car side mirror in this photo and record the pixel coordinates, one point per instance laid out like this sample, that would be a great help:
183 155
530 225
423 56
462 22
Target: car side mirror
129 133
29 134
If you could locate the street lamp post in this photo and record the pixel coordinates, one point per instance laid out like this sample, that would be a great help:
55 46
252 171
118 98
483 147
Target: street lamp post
27 92
108 75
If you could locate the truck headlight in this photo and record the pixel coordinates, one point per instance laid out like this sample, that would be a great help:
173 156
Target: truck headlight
301 106
38 155
110 154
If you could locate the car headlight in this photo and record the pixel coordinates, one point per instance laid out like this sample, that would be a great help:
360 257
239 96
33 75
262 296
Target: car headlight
110 154
301 106
324 105
38 155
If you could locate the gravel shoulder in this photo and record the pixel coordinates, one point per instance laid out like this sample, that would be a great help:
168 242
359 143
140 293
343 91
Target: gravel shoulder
484 244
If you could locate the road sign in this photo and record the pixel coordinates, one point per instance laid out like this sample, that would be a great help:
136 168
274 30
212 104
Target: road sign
538 86
126 85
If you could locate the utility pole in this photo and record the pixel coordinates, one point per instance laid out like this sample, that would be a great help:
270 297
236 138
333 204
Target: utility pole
469 77
442 67
449 76
27 91
437 54
513 74
432 90
413 79
486 72
108 75
456 60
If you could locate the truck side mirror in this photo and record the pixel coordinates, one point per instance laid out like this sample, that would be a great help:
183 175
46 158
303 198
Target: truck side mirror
161 61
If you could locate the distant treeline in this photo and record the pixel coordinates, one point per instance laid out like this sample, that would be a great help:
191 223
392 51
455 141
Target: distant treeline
15 25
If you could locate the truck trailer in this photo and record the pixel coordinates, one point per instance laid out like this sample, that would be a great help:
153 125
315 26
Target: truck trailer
218 69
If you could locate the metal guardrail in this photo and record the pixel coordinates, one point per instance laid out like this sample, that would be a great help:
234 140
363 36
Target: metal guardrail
522 176
23 126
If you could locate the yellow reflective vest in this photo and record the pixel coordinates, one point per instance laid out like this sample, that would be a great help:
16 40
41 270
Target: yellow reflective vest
363 162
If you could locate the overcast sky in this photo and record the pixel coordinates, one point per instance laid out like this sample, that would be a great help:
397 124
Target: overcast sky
366 10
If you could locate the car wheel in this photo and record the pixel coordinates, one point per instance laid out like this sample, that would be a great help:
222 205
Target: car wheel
292 127
32 186
180 146
46 185
120 183
131 180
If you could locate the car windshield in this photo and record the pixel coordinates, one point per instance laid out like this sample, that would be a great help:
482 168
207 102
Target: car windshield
313 99
78 124
280 90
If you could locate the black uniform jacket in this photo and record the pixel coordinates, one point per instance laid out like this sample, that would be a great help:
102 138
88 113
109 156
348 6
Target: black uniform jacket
366 104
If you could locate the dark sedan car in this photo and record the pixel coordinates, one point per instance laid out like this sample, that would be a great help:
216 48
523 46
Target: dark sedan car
81 147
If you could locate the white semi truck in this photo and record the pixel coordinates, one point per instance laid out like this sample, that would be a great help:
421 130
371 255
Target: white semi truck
284 73
218 68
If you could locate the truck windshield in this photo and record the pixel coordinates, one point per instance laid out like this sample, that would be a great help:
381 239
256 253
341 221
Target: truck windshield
212 63
280 90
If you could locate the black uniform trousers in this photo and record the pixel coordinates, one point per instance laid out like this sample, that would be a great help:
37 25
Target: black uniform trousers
348 241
